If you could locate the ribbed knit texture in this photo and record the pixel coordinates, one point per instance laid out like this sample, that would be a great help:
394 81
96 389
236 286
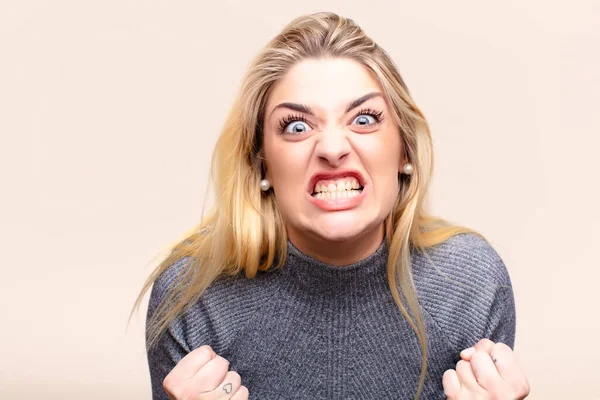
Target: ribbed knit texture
316 331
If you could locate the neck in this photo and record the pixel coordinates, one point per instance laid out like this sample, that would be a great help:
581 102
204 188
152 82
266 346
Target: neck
339 252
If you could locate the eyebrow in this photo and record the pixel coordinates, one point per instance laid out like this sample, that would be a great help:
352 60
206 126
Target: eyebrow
307 110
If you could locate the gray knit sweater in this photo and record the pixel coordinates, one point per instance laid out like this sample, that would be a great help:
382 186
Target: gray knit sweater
316 331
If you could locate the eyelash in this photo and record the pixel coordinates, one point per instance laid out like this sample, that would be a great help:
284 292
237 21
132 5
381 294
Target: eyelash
288 119
369 111
378 115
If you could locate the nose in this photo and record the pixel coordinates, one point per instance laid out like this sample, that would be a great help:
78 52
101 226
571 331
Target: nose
333 146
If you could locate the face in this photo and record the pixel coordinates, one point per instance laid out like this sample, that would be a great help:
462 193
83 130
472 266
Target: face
333 153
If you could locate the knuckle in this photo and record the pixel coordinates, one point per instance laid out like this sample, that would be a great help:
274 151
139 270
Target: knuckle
174 388
169 383
243 390
502 347
223 362
188 393
205 350
484 343
462 365
485 380
478 356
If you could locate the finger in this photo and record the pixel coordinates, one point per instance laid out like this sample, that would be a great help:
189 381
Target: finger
466 354
241 394
193 362
209 376
485 371
451 384
484 345
466 376
226 389
508 366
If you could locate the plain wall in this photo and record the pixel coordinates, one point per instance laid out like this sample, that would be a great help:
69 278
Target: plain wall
109 111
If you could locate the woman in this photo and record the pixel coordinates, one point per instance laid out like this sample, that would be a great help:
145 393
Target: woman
318 274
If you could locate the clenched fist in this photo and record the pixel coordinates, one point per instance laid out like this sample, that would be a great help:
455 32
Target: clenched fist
487 371
203 375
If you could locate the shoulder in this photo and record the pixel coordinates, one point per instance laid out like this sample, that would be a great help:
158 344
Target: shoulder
220 289
464 286
467 257
222 310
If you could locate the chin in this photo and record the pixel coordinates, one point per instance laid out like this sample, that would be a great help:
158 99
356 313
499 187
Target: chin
339 232
337 236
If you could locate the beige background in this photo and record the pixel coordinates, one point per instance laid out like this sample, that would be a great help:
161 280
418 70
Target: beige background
109 111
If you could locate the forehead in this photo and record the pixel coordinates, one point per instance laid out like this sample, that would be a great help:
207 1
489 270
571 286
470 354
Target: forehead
328 84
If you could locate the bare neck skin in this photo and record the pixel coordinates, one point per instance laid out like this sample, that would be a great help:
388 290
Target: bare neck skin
342 252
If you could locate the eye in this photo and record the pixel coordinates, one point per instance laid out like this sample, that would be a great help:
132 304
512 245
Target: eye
293 125
297 128
368 117
364 120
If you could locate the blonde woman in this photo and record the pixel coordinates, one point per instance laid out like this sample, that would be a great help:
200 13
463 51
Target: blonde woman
318 274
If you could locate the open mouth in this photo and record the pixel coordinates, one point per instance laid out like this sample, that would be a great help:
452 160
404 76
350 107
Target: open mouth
347 187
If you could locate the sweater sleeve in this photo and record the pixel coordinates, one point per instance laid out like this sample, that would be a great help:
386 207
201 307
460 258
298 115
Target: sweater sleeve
469 293
501 325
170 347
215 319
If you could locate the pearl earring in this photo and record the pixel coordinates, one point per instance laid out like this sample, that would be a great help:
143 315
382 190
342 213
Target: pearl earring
265 185
407 168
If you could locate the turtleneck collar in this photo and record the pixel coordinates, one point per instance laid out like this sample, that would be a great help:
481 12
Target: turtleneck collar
319 277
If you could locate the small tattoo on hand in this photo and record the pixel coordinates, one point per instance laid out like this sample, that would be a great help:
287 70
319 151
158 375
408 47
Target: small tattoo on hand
227 388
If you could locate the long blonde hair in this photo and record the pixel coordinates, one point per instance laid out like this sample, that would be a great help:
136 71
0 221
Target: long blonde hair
244 231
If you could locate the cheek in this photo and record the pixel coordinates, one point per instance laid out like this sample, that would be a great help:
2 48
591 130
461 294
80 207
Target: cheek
381 155
286 167
381 159
388 192
286 174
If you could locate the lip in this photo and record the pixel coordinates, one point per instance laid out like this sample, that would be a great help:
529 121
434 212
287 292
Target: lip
334 175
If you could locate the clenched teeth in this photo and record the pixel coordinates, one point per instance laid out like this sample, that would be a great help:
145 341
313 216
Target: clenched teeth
337 195
332 189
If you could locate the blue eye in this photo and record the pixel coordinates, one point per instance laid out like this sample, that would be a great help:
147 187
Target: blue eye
364 120
297 128
368 117
293 125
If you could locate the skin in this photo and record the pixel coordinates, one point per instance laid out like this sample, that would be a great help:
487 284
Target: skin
335 139
204 375
332 140
487 370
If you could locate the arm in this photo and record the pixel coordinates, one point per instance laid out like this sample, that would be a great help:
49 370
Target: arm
171 347
212 321
161 360
501 325
490 369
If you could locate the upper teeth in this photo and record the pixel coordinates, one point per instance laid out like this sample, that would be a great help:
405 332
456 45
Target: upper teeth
337 186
